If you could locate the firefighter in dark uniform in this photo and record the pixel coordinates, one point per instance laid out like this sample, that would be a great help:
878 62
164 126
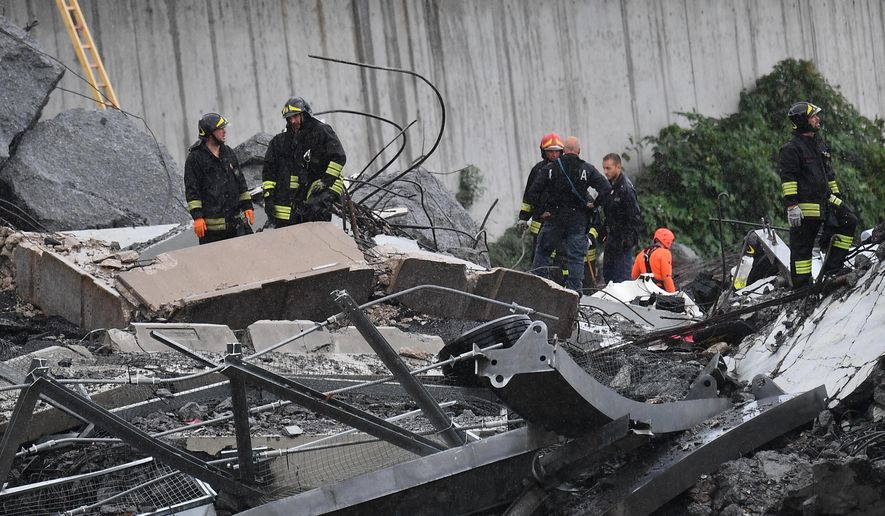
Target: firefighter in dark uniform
551 149
302 175
562 187
812 197
214 187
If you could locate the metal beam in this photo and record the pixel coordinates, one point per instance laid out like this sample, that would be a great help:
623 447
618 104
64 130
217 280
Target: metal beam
140 440
16 428
392 360
284 388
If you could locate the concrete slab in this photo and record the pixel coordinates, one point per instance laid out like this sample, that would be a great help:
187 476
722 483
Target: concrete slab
413 269
349 340
60 287
223 282
839 344
263 334
528 290
196 336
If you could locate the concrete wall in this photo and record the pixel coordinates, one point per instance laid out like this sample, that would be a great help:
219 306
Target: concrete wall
509 71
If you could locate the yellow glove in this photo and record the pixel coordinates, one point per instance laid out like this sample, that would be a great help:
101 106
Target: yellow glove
250 215
200 227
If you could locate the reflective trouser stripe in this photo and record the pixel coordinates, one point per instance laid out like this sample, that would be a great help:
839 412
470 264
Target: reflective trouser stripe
591 255
293 182
282 212
834 186
842 241
216 224
802 267
835 200
535 227
194 205
245 196
810 209
790 187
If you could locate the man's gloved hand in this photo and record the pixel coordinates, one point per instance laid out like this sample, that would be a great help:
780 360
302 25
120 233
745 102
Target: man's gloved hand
200 227
522 225
269 208
794 216
250 216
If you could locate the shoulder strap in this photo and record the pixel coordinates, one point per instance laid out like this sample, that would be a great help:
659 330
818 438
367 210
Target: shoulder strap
572 185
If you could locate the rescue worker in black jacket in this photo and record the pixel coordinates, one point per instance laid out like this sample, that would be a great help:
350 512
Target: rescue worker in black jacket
302 169
214 187
562 187
622 221
812 197
551 149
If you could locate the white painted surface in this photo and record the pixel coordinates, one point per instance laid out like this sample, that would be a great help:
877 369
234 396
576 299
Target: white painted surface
604 70
837 345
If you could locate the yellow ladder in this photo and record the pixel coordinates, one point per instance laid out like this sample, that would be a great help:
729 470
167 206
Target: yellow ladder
87 54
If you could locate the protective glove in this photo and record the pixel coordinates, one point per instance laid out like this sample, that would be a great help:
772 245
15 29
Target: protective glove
250 216
269 208
794 216
522 225
200 227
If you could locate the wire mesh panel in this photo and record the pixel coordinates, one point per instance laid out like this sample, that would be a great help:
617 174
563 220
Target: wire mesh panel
139 487
639 374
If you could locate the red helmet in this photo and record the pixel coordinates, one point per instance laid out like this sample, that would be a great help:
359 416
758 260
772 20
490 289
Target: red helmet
551 141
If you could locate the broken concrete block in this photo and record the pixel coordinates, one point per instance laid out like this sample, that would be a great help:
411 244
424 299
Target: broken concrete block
349 340
528 290
419 268
86 158
197 337
27 77
62 288
292 431
263 334
223 283
191 411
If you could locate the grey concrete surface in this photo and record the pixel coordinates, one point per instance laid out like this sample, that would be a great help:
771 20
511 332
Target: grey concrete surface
604 70
223 283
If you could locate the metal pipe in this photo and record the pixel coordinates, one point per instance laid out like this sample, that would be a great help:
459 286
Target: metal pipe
392 360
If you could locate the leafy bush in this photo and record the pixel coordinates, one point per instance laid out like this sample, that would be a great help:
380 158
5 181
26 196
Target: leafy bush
738 155
469 186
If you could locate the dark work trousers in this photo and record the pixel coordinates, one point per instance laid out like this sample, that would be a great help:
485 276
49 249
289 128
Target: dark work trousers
838 235
569 227
617 264
217 236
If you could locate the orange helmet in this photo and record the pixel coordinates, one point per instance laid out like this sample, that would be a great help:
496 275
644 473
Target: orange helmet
665 237
551 141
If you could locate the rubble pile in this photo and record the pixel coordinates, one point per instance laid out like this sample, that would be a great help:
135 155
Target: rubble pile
445 225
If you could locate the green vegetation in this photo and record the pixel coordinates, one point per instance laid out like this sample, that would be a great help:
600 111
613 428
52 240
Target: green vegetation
469 186
738 155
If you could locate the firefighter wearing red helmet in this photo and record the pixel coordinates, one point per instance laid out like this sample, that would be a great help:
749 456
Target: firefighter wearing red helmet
812 197
560 192
551 149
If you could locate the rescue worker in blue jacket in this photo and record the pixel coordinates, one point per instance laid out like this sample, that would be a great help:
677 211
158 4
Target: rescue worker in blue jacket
812 197
562 185
214 187
302 175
